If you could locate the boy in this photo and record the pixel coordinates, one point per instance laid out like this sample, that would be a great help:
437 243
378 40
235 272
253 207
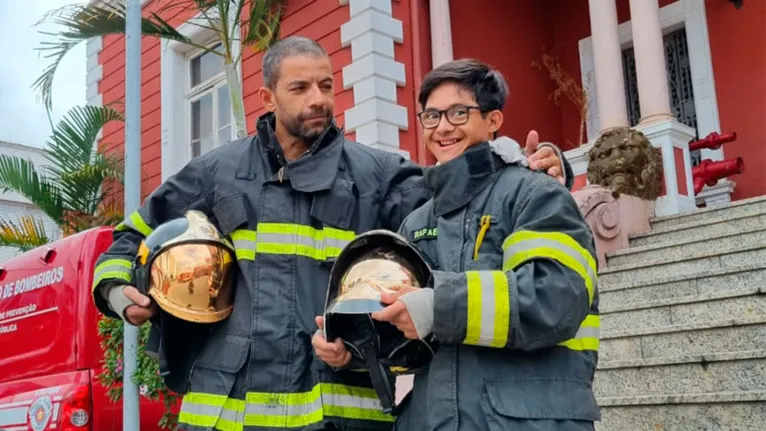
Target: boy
514 302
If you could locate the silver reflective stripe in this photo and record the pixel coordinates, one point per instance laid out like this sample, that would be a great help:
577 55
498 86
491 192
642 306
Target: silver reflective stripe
352 401
520 251
488 303
210 411
488 307
282 410
524 245
112 268
588 332
319 243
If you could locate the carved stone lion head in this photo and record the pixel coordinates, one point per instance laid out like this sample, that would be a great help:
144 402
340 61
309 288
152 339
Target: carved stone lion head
623 160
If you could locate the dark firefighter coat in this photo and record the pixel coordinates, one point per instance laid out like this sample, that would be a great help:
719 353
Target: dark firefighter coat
288 222
515 302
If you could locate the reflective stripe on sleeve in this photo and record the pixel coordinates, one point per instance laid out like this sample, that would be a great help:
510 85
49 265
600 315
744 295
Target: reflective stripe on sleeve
116 268
281 410
587 337
290 239
522 246
489 309
136 223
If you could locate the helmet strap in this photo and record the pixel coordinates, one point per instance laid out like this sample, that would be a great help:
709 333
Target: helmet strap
380 381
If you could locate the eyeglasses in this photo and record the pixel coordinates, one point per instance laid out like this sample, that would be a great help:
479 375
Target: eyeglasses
456 115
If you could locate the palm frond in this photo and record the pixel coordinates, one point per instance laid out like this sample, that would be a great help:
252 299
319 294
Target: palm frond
20 176
82 22
78 168
27 234
262 24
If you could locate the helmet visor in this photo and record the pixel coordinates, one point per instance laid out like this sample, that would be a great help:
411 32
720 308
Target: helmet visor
362 285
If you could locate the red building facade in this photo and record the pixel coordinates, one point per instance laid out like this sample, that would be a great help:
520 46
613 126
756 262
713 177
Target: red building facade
715 58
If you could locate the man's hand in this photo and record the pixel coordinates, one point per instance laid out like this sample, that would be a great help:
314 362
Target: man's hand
544 158
333 354
142 310
396 313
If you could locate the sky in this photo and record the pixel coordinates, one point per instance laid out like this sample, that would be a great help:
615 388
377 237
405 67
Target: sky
22 116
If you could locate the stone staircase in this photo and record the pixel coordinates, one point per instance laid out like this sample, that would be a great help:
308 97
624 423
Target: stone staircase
683 338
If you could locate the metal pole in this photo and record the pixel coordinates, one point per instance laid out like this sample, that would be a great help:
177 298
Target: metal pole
130 418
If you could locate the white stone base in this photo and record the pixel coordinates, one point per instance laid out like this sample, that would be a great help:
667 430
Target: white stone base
719 194
670 136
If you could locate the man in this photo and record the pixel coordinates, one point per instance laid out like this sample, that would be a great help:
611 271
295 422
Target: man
513 303
299 191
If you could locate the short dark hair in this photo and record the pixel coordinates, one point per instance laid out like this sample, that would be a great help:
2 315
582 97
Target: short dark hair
485 82
288 47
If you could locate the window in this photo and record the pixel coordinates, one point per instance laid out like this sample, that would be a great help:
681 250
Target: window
680 87
208 103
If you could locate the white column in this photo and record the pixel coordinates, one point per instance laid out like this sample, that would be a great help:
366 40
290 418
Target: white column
651 70
441 33
607 59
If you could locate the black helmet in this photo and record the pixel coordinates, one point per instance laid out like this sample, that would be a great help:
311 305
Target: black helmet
376 262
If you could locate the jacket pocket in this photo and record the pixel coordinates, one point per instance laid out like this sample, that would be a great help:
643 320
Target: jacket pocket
231 213
216 368
562 404
336 206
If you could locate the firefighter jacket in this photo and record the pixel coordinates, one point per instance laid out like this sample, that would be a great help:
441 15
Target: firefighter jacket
515 301
288 222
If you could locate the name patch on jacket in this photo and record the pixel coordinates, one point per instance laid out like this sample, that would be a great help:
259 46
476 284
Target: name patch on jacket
425 233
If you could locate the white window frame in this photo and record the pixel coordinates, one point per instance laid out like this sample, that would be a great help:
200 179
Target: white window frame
209 86
176 109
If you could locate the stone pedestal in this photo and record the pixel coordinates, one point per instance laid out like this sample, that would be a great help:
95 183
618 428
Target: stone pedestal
673 138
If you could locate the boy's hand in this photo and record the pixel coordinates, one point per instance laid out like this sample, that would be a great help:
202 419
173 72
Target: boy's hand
333 354
407 299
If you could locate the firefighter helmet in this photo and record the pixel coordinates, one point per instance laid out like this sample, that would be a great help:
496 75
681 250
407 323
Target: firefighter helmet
376 262
186 266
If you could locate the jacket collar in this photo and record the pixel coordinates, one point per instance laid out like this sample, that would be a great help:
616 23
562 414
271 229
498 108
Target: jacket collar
313 171
458 181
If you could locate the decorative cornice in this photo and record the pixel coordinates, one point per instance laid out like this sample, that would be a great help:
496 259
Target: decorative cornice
374 74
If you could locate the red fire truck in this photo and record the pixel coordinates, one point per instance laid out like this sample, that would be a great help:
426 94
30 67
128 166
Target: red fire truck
49 345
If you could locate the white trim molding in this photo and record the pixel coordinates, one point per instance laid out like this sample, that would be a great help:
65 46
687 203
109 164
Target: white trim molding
374 74
93 75
691 15
176 150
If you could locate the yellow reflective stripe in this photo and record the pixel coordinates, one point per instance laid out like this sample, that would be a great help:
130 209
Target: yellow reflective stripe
489 309
281 410
200 409
352 402
588 336
112 268
136 223
522 246
244 244
290 239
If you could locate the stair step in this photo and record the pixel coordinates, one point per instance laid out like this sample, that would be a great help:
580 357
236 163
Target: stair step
690 264
658 253
700 229
732 210
717 411
715 280
737 371
685 310
702 337
680 300
683 359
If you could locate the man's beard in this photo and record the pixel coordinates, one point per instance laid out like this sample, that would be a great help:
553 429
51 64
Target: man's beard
298 127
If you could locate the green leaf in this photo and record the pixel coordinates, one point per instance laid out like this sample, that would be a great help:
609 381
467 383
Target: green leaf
19 175
82 22
27 234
